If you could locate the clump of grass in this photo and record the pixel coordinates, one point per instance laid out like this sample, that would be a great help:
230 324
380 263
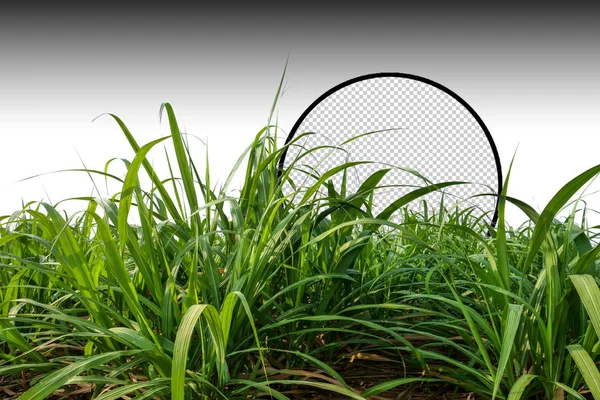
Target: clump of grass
214 296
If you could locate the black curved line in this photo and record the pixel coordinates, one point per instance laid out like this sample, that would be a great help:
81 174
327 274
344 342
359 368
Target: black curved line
405 76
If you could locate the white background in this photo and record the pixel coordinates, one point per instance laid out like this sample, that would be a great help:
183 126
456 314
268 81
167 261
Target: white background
535 86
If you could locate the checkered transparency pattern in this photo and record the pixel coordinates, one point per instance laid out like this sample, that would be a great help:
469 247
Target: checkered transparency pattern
426 130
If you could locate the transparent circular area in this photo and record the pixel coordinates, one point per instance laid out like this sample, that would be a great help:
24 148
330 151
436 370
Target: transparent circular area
422 128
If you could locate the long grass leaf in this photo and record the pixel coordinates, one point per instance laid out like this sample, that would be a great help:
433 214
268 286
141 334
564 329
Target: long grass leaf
517 390
589 293
413 195
513 319
56 379
117 269
389 385
587 367
554 206
121 392
183 340
184 167
166 198
501 249
129 186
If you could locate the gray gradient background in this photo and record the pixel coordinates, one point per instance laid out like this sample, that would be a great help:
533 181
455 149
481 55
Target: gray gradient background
532 76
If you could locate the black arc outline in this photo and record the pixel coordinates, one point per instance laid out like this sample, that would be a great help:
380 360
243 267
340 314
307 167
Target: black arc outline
403 76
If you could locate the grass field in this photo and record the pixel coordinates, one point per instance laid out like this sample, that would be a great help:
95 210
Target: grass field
214 296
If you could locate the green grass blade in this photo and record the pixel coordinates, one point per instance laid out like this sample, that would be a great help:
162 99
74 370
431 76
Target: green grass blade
181 348
569 390
264 386
587 367
588 291
55 380
279 91
227 314
526 208
554 206
413 195
73 258
389 385
501 249
183 340
313 189
166 198
10 334
517 390
513 320
121 392
319 385
184 167
586 261
367 187
129 185
117 269
134 338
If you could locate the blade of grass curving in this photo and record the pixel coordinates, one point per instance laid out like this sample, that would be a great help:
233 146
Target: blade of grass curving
86 170
11 369
239 163
129 186
95 380
367 222
140 255
134 338
526 208
278 94
415 194
55 380
174 181
586 261
227 317
513 319
346 260
264 386
494 277
183 162
318 364
554 206
517 390
553 294
303 283
73 258
145 254
588 291
313 189
166 198
469 314
155 393
369 324
367 187
121 392
10 334
569 390
501 249
319 385
191 294
117 269
208 195
389 385
227 314
484 383
587 367
183 340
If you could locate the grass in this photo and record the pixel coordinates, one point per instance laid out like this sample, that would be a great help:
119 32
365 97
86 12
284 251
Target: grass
266 295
